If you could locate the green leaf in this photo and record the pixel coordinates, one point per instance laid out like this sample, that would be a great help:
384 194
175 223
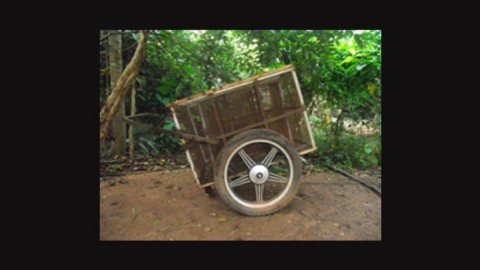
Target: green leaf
371 87
359 41
159 98
367 148
347 60
169 124
189 69
166 100
330 66
348 33
164 90
360 67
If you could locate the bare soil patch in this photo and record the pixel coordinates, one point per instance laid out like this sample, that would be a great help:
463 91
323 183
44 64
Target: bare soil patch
168 205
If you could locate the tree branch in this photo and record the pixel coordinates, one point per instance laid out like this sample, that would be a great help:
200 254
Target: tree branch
117 33
124 84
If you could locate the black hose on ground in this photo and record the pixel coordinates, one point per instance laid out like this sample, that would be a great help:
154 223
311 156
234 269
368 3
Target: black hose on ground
371 186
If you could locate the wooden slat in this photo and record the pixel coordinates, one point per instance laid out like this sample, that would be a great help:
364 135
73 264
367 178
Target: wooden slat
271 120
213 103
260 104
230 85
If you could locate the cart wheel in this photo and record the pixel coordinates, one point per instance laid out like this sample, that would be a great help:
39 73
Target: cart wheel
257 172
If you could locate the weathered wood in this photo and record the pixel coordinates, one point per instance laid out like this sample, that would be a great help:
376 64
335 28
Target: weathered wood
172 132
202 151
217 119
260 104
372 186
271 120
213 91
205 131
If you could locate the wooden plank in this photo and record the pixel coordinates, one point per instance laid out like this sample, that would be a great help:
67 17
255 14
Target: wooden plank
230 85
260 104
202 151
205 131
217 119
271 120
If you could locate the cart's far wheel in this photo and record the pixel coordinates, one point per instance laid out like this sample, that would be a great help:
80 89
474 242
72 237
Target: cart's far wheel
257 172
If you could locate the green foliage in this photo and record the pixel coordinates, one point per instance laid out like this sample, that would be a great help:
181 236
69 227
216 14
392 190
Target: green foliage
154 143
339 73
348 149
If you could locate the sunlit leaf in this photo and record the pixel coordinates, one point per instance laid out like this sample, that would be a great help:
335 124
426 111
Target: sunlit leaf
347 60
371 87
360 67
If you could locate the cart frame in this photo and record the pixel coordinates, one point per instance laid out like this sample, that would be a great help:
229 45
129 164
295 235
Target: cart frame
206 146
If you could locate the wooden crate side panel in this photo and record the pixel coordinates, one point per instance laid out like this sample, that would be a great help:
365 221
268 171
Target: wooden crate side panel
196 151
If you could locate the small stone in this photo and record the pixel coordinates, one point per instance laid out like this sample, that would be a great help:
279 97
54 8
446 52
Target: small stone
199 225
335 224
289 221
248 233
212 214
342 234
171 239
135 168
111 183
207 229
222 219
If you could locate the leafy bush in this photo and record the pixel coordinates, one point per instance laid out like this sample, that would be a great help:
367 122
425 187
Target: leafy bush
154 143
348 150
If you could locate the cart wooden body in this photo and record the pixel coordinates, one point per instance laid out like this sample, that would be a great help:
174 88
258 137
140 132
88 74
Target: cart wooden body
271 100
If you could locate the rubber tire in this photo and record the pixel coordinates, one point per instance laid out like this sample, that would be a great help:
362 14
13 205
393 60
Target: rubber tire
238 140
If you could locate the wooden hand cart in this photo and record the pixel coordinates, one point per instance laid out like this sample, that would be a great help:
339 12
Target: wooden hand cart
245 138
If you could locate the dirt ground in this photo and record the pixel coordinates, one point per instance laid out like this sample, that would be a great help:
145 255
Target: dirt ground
168 205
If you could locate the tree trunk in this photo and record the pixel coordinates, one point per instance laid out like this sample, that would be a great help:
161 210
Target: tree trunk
337 128
133 110
124 84
116 66
104 94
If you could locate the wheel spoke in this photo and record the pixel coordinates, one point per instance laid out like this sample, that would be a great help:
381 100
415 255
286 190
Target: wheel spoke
269 158
259 193
246 158
242 180
277 178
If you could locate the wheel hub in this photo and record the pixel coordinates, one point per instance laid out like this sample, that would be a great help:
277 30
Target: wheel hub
258 174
